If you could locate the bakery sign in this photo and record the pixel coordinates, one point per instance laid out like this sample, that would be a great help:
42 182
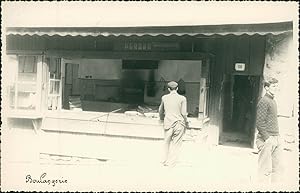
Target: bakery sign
138 46
147 46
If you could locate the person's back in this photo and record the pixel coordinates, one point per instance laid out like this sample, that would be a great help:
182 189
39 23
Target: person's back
174 107
173 111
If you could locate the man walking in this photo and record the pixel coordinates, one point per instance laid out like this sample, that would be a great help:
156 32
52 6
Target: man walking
268 141
172 111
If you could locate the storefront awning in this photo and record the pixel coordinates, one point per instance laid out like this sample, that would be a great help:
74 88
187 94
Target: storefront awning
192 30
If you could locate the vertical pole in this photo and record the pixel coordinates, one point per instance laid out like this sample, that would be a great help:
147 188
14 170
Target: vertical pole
62 63
59 98
39 83
16 85
201 90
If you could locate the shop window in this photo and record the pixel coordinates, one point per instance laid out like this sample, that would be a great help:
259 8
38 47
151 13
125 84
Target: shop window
23 93
54 92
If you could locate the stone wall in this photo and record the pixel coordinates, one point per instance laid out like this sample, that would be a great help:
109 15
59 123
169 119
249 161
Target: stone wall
281 63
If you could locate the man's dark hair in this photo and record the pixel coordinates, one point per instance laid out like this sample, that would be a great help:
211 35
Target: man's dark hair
270 81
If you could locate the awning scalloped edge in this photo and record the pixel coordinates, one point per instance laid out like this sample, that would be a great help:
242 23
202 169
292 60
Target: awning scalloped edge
138 34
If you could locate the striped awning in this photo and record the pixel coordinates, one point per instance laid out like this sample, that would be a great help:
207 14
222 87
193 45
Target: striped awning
193 30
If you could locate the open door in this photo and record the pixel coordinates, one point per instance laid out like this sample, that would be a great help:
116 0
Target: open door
240 109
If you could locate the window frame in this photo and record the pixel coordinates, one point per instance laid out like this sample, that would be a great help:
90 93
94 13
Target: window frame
56 97
14 89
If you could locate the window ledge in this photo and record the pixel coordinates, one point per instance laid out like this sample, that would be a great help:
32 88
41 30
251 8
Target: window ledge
24 115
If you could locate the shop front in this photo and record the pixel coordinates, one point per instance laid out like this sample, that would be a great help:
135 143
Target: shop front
109 81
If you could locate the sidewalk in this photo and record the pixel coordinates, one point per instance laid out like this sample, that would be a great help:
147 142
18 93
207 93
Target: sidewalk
99 163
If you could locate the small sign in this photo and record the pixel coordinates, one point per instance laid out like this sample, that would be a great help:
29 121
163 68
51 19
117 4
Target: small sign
240 66
138 46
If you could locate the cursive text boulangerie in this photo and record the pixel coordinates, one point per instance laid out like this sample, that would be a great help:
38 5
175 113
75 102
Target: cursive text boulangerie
44 180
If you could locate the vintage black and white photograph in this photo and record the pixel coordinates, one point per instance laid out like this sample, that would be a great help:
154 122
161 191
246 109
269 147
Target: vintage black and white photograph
149 96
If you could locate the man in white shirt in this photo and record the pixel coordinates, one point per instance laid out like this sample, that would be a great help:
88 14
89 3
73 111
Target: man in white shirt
173 112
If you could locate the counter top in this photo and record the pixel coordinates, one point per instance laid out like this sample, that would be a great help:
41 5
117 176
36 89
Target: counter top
138 119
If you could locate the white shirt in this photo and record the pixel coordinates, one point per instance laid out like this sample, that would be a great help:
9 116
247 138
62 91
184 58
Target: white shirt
172 108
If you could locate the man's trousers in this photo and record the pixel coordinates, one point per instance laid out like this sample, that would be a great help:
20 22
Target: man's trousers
269 159
172 142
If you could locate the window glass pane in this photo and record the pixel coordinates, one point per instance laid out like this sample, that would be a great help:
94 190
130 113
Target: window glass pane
26 100
26 96
21 64
54 68
51 87
27 77
26 87
27 64
27 68
53 102
54 87
54 97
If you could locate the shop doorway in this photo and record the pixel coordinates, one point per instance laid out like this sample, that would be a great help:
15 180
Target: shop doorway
240 99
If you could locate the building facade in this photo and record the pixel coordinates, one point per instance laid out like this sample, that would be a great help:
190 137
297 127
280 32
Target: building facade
62 78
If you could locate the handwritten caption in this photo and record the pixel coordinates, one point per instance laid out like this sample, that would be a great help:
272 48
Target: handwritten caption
44 180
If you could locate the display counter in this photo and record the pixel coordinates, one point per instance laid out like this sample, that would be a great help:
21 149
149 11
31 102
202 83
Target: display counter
128 124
